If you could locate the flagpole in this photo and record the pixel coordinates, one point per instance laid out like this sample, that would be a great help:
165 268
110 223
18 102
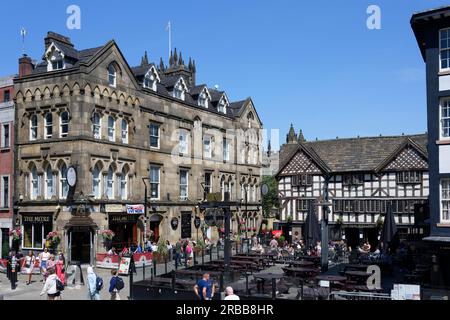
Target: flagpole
170 37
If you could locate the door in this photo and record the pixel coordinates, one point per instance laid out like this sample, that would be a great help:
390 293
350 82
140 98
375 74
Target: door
5 243
186 225
80 245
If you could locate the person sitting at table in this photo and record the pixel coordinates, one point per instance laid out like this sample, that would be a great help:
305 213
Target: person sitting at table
366 246
138 249
112 251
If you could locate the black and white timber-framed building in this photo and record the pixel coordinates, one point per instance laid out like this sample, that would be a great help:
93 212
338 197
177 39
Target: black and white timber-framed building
365 174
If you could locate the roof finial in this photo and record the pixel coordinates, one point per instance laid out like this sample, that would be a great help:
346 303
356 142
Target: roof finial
301 138
171 59
180 60
269 149
291 136
194 68
190 64
175 57
144 60
161 64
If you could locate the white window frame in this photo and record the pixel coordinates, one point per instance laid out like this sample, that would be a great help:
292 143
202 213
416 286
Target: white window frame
157 183
110 182
62 182
150 83
208 184
183 142
207 152
97 127
48 126
444 200
441 49
57 64
158 136
441 133
98 180
33 247
222 106
33 128
226 149
178 90
62 124
124 131
5 144
2 191
111 130
112 76
34 191
123 187
186 186
48 195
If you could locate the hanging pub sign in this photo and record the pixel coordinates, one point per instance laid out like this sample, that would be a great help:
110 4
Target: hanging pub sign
174 223
197 222
209 217
135 208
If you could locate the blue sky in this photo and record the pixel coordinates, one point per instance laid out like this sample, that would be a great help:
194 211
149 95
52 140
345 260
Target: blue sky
311 63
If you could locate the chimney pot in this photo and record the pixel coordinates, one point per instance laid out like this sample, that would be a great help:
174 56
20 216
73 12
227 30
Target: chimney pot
25 66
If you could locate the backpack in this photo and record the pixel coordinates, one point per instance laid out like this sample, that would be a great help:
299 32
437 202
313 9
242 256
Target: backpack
98 283
119 283
59 285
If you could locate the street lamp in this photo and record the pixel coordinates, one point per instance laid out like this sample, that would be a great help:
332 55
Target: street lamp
145 207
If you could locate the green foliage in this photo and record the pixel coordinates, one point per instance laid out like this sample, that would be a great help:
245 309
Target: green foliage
270 200
281 240
200 244
162 247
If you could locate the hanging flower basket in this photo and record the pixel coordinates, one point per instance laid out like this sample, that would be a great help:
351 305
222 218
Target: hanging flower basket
54 238
16 234
107 234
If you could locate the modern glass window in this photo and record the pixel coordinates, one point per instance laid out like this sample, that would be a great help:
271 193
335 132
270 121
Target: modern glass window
96 182
184 184
49 183
154 135
445 200
34 183
5 142
445 118
208 176
6 96
34 235
57 64
97 126
226 149
64 124
154 182
111 129
124 131
48 126
33 127
110 183
207 146
111 75
4 192
183 142
445 49
124 185
63 185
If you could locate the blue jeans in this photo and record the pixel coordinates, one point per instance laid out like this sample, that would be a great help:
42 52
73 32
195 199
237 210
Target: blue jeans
177 259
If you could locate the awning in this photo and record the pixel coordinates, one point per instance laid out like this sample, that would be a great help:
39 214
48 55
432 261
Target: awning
81 222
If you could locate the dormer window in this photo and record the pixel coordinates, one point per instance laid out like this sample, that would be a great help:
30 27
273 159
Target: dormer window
151 79
222 105
112 75
179 89
55 58
203 98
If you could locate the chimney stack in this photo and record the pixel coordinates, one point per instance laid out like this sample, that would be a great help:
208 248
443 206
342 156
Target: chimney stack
25 66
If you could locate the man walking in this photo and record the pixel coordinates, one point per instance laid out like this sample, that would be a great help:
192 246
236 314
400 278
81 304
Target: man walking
178 251
204 289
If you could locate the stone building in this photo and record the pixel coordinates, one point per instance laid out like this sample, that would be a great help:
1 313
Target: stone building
121 128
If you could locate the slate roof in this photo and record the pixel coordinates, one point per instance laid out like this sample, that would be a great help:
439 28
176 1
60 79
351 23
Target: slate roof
353 154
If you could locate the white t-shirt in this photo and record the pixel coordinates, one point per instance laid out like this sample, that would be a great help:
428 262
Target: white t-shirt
231 297
45 256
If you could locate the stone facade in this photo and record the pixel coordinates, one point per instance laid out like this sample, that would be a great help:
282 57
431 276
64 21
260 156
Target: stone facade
80 93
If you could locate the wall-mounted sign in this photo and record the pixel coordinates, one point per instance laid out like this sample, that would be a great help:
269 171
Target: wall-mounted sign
71 176
36 219
174 223
264 189
135 208
114 208
197 222
122 218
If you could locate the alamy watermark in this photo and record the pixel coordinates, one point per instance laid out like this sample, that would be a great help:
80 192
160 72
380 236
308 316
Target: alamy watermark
374 20
74 19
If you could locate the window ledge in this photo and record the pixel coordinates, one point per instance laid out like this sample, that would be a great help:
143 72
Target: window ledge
443 225
5 148
443 142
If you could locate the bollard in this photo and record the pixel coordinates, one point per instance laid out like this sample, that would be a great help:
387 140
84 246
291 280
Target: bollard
210 254
218 253
165 264
143 270
154 267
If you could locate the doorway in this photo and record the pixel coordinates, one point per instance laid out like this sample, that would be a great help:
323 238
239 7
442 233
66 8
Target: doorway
155 221
80 245
186 225
352 237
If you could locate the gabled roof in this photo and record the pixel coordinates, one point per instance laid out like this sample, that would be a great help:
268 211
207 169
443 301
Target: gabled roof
356 154
238 108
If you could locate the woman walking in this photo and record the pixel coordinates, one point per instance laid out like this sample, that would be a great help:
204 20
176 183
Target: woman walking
43 258
29 262
60 268
50 286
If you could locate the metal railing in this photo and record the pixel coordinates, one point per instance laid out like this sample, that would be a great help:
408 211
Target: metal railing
345 295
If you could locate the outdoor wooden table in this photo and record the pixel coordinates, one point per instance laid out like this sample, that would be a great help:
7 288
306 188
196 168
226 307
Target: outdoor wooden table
267 276
301 272
301 263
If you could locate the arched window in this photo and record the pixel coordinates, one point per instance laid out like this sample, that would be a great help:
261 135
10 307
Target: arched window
49 183
97 126
111 129
124 185
64 124
63 185
48 125
112 75
124 131
34 183
110 183
96 182
33 127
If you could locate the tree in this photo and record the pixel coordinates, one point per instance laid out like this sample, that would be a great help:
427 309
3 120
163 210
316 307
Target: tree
270 200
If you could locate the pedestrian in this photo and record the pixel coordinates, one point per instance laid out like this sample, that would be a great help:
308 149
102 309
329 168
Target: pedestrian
115 285
189 254
204 289
93 293
28 264
178 252
43 258
61 268
51 263
230 294
50 286
169 249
